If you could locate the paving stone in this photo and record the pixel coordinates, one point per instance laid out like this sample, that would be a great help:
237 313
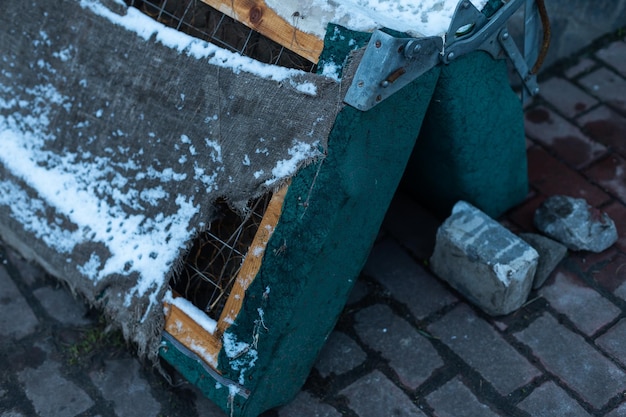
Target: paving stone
339 355
549 400
615 56
489 265
574 223
618 412
410 354
482 348
121 382
584 65
16 317
568 356
374 395
51 394
359 291
60 305
566 97
305 405
551 253
585 307
610 173
613 341
550 176
412 225
29 273
562 137
407 281
607 86
454 399
605 126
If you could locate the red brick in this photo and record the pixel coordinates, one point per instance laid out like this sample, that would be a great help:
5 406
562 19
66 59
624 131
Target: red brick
606 126
566 97
610 173
523 215
565 139
589 260
617 212
551 177
613 274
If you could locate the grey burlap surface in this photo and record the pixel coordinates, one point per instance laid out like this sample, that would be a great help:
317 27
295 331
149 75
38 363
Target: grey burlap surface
118 135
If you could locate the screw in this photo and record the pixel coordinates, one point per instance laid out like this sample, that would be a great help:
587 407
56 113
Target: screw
451 56
378 44
505 35
384 84
360 83
535 91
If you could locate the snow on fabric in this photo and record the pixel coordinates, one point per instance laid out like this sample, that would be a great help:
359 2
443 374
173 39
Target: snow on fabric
117 136
415 17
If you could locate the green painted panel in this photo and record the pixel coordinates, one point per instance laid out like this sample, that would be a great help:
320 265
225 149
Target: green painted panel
472 145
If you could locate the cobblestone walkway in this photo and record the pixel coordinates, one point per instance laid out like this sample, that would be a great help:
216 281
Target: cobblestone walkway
406 344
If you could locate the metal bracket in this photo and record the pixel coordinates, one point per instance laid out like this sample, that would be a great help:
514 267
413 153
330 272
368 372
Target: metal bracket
390 63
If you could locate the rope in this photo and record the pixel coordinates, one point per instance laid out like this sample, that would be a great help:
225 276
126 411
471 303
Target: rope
545 43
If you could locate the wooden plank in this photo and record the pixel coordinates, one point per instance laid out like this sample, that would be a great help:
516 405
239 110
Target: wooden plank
252 261
193 336
258 16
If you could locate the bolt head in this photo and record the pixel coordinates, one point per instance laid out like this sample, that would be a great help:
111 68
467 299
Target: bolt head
451 56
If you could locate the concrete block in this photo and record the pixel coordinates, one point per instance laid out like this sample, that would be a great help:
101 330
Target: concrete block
489 265
575 223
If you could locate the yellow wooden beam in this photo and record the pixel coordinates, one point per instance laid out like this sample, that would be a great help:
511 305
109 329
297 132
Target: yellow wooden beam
252 261
258 16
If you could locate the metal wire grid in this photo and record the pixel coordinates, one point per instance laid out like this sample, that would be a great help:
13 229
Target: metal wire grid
204 22
217 255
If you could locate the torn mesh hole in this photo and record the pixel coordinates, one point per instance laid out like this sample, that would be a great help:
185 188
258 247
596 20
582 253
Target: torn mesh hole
200 20
213 262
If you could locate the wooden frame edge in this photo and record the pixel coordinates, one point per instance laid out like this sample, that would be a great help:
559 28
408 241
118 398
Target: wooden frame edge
256 15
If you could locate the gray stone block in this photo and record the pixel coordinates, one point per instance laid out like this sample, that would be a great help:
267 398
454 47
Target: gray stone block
576 224
489 265
551 253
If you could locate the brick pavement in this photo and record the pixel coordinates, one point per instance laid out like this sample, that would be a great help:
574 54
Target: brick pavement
406 344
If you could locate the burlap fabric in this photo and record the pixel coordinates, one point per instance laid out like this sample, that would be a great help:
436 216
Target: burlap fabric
115 142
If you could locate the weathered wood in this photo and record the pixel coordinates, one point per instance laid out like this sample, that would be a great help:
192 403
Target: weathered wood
258 16
193 336
252 261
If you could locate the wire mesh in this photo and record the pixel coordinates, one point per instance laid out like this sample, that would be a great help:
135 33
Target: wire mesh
212 264
204 22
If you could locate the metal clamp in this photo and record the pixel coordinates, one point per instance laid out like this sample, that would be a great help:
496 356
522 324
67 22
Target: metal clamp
389 64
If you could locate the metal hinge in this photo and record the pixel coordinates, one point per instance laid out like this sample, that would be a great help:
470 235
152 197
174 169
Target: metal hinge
390 63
